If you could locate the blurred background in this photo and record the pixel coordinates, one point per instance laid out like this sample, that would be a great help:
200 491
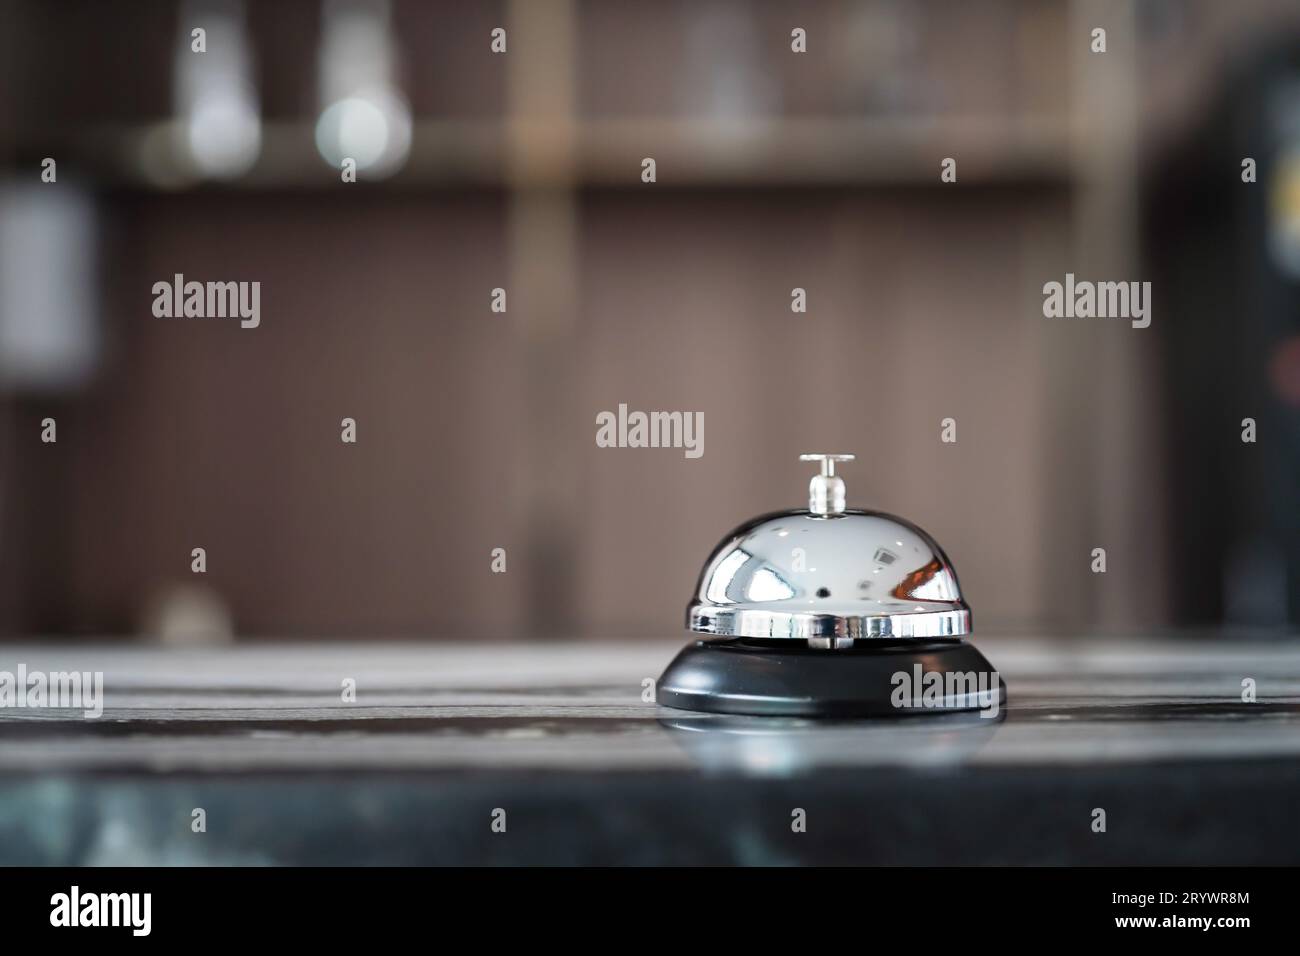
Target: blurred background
522 171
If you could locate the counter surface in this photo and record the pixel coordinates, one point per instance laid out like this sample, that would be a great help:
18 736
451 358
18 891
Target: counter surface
441 738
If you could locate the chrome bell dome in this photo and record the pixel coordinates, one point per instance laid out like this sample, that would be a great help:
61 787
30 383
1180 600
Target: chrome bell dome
828 576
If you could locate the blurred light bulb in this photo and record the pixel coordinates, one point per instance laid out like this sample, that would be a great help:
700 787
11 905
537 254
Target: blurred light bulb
364 117
220 125
224 136
373 129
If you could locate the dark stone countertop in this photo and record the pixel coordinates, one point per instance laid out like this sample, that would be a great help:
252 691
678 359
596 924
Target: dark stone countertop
442 735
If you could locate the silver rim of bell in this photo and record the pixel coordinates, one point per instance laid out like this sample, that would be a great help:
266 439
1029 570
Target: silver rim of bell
810 626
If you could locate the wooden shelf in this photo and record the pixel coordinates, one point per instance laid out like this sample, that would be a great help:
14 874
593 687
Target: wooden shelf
607 153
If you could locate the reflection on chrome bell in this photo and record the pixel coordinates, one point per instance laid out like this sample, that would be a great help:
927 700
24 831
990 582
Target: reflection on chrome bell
830 612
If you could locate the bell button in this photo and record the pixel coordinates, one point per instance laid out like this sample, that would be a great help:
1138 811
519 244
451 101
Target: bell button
826 491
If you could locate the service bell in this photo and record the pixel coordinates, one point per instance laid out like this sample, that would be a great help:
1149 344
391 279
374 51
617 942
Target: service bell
830 612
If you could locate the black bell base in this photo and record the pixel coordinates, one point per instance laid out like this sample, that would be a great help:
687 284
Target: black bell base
872 679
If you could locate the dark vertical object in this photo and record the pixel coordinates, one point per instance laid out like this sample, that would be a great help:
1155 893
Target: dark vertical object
1234 507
